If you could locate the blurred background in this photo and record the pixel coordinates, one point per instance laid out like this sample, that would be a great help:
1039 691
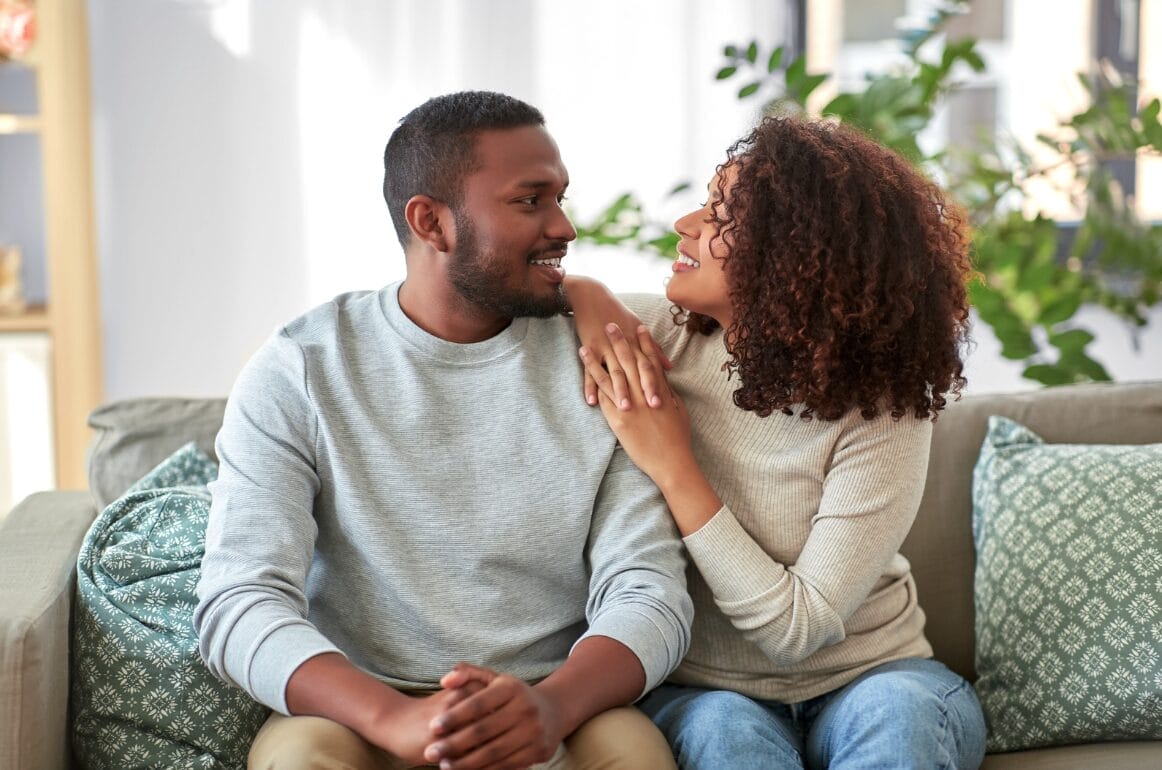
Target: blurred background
228 159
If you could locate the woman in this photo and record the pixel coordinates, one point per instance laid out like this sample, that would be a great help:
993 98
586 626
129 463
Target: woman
821 311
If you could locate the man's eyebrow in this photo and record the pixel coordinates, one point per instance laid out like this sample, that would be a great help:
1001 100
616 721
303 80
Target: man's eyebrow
533 184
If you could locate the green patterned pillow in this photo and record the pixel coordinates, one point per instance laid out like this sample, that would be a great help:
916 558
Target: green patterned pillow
142 698
1068 589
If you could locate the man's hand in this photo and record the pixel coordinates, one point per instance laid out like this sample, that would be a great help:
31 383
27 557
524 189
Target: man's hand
507 725
407 733
328 685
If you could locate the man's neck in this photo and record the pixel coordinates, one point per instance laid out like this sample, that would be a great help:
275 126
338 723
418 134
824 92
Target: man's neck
443 313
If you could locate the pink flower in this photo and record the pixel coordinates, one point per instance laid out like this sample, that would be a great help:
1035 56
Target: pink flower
17 28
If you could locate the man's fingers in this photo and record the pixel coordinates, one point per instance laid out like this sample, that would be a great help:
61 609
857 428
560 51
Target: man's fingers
498 727
461 693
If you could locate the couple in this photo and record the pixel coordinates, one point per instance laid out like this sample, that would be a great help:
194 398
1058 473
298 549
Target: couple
425 550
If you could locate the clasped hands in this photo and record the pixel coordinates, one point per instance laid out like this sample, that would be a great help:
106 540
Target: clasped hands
484 720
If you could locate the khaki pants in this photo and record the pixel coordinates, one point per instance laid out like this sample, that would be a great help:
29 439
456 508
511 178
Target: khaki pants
618 739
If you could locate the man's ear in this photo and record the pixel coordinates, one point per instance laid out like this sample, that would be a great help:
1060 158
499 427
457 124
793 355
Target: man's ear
430 221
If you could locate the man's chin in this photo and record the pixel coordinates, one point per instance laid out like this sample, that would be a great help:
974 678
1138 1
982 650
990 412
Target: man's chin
548 305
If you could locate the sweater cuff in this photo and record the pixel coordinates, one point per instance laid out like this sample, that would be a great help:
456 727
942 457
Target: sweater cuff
639 632
271 658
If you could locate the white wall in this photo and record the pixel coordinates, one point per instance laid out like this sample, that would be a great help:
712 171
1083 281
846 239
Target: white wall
238 146
238 149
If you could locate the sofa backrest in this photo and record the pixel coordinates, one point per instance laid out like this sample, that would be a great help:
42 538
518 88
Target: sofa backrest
135 435
131 437
940 545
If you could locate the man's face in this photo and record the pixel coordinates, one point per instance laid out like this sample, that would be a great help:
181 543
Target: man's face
511 233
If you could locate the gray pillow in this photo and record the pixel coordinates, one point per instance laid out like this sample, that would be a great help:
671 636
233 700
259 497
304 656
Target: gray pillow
1068 589
135 435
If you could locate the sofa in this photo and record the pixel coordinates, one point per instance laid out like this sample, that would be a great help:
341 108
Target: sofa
39 542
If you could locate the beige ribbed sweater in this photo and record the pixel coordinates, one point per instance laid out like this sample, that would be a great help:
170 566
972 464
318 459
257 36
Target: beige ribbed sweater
798 583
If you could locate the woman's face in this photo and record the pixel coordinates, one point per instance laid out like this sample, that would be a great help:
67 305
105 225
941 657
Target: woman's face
699 280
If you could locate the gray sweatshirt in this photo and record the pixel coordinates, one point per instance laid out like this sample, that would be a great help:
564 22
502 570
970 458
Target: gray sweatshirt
412 502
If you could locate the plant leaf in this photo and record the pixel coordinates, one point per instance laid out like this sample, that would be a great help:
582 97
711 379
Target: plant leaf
775 60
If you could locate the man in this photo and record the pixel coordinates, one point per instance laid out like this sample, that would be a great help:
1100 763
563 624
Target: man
406 483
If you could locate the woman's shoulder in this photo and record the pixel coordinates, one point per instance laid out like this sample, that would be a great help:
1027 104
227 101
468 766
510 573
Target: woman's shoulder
655 311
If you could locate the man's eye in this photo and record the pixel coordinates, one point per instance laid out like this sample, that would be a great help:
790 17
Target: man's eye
528 201
562 198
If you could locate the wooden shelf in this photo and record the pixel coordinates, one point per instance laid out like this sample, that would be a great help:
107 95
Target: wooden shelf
19 124
61 122
34 319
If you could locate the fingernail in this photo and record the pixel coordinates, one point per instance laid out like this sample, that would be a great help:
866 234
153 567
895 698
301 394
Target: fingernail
655 401
625 403
592 401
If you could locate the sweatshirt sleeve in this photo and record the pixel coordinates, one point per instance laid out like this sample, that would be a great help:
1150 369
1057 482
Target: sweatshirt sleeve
637 590
870 496
251 617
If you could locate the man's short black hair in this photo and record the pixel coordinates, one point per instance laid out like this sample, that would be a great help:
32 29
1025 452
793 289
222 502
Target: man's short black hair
434 147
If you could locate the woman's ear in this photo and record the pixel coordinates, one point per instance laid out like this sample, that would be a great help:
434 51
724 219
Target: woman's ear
430 221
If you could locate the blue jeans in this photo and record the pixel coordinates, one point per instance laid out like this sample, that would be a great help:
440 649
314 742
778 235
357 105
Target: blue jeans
912 713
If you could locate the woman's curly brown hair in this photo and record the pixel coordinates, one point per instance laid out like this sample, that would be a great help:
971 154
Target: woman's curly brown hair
846 270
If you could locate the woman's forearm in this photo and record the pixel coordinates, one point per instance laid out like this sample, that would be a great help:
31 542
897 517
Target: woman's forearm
689 495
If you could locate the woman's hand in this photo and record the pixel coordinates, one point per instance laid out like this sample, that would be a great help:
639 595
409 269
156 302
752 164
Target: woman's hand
594 307
653 438
657 440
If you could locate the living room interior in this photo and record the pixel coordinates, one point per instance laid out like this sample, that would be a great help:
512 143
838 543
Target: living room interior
232 163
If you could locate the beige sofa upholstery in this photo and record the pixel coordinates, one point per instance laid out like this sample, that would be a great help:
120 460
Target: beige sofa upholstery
40 538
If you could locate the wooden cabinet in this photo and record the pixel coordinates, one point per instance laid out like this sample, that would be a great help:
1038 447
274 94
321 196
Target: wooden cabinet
69 314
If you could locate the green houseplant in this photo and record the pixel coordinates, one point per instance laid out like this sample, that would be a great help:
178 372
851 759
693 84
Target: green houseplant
1034 273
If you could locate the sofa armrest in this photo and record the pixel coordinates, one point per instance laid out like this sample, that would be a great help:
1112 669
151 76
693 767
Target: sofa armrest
39 541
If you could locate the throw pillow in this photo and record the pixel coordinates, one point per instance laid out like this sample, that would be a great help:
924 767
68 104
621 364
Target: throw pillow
142 698
1068 589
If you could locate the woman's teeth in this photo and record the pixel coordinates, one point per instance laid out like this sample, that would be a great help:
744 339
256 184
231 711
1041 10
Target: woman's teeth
689 261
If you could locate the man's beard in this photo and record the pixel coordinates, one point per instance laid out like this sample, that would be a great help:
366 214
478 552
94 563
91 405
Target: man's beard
484 283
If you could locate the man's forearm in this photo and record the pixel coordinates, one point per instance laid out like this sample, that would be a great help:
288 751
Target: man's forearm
601 673
330 686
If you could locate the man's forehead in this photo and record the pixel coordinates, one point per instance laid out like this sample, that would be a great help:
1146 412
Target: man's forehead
528 153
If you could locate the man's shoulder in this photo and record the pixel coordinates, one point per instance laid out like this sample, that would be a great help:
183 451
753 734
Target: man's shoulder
323 321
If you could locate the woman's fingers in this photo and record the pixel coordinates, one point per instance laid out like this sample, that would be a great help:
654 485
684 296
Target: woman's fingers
650 367
652 349
590 383
609 381
627 361
624 368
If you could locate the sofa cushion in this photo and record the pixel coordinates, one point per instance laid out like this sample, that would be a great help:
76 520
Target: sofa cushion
1068 589
141 695
133 436
939 545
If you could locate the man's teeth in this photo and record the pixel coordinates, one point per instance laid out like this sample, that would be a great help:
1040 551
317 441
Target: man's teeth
554 262
689 261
